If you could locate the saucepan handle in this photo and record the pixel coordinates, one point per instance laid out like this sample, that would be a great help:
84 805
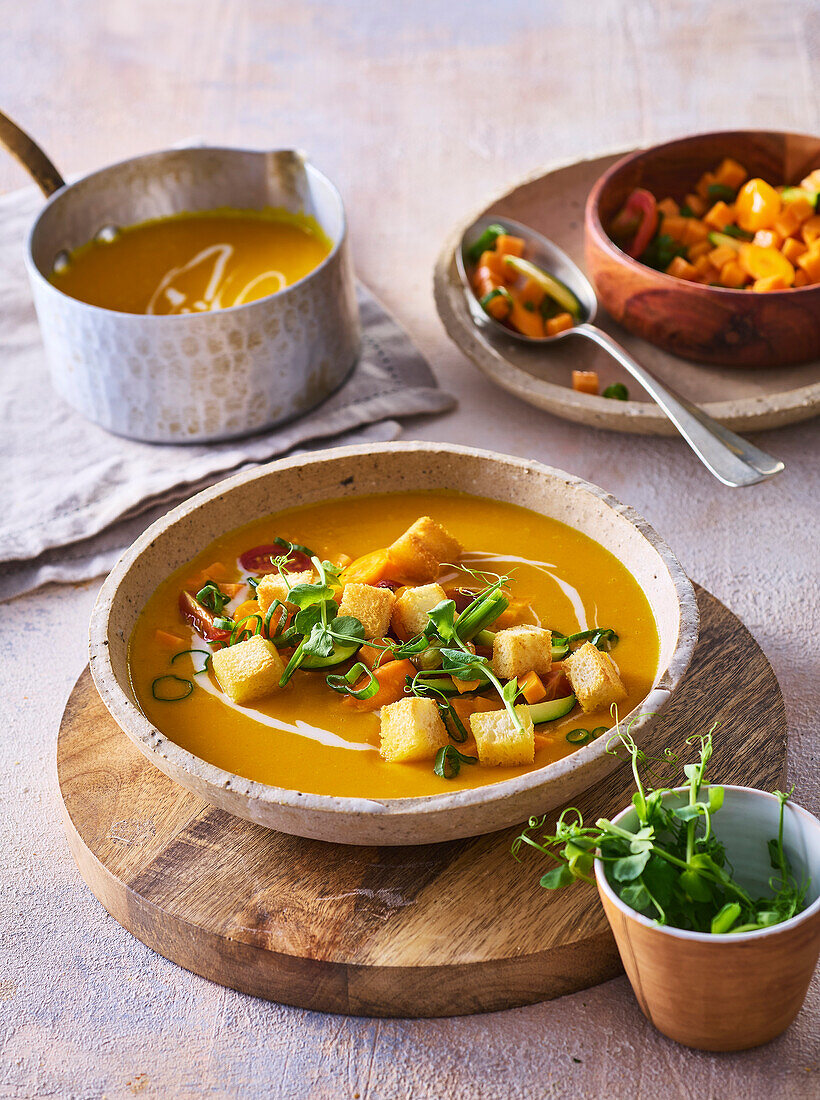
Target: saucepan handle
30 155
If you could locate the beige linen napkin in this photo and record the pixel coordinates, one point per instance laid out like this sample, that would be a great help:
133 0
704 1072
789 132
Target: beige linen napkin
75 496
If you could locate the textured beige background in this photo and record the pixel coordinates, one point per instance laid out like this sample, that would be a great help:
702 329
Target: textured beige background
418 111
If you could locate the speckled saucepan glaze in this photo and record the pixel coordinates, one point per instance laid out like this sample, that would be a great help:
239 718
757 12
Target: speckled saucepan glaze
351 472
199 376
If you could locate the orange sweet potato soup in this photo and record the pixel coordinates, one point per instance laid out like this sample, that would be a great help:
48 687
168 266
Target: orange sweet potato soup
193 262
392 646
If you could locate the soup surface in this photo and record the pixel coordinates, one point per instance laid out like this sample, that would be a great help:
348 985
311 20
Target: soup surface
305 737
193 262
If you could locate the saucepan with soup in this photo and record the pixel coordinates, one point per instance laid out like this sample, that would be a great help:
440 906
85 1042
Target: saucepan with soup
192 294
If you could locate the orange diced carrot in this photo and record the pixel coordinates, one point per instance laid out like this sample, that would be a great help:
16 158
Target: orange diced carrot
216 572
231 589
526 320
542 742
249 607
167 639
695 251
787 222
391 680
732 275
720 216
463 686
696 231
532 687
801 207
681 269
669 208
810 263
792 248
696 204
675 228
800 279
494 263
559 323
704 183
810 229
585 381
509 246
369 569
723 254
730 173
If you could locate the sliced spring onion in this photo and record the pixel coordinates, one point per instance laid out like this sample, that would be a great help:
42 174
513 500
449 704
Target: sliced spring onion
483 243
579 736
617 391
458 733
449 760
548 283
170 694
344 684
205 664
293 546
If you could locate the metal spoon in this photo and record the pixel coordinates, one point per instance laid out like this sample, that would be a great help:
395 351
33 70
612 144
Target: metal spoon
730 458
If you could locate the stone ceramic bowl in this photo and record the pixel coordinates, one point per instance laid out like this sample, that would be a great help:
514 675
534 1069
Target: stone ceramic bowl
356 471
200 376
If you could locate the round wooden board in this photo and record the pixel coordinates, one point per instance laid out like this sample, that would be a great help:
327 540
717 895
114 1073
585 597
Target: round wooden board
552 202
438 930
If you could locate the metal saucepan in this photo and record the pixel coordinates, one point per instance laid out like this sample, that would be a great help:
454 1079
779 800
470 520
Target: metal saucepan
199 376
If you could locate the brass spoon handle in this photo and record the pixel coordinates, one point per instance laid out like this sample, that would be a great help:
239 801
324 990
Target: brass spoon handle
30 155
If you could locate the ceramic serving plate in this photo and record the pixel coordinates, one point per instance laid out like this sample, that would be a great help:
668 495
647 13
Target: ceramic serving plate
353 472
552 202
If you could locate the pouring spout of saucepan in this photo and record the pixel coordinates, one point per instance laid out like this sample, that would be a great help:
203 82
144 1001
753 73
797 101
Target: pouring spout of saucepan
26 150
733 460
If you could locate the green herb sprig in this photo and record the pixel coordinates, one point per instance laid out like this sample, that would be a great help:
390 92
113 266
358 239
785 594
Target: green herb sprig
672 867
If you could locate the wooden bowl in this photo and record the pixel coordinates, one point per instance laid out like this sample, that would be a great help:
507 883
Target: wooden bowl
737 328
727 992
352 472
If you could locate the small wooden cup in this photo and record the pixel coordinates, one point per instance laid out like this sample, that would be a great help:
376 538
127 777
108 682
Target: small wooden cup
727 992
737 328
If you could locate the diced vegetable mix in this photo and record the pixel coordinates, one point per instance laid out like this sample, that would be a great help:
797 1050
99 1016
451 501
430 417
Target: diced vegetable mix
444 667
729 231
516 292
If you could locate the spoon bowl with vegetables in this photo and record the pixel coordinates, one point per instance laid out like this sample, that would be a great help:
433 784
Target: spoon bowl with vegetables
521 286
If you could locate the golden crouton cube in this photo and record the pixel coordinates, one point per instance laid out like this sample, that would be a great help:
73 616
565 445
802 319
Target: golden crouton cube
521 649
370 605
411 729
418 553
594 678
275 586
410 609
499 742
249 670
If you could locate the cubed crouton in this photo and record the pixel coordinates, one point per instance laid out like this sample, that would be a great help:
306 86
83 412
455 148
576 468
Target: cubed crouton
594 678
249 670
411 729
521 649
371 606
499 742
418 553
275 586
410 609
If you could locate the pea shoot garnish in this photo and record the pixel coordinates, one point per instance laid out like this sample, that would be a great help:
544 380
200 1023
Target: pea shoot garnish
672 867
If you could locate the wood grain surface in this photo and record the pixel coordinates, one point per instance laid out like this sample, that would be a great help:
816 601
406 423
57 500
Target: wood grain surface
433 930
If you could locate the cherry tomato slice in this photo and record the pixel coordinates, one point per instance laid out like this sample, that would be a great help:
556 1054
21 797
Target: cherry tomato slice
201 619
639 216
258 560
